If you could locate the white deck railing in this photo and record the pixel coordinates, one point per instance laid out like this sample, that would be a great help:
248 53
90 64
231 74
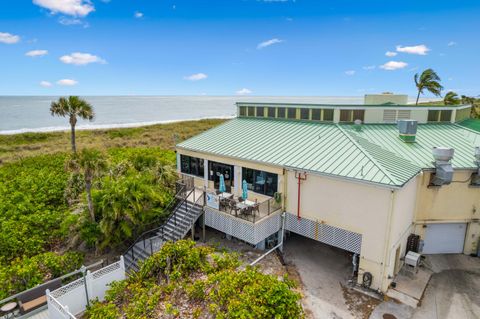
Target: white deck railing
73 298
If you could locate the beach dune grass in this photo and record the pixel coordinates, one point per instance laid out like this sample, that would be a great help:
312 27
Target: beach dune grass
164 136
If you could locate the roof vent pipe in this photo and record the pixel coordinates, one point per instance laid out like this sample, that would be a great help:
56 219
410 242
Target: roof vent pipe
443 168
407 130
358 125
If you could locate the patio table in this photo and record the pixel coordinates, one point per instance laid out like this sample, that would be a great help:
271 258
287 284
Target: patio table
225 195
8 308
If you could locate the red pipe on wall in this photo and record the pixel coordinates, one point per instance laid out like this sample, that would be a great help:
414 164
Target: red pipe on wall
300 178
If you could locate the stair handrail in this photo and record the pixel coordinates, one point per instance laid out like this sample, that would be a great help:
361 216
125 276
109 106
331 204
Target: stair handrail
186 211
142 236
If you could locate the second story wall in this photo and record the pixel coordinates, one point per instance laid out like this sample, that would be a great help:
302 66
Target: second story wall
455 202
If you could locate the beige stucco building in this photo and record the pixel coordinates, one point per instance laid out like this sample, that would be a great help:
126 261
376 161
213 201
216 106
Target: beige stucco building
362 186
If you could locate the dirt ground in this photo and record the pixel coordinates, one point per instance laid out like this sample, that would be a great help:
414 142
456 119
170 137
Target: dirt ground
324 272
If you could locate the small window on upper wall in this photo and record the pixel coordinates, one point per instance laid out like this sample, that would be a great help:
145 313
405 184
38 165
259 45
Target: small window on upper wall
445 116
281 112
346 116
243 111
305 114
316 114
358 115
433 115
328 115
260 111
251 111
271 112
292 113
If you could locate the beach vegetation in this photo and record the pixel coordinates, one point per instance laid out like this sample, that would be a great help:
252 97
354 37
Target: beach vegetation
185 280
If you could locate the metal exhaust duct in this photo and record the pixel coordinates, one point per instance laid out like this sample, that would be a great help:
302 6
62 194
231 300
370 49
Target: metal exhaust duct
443 168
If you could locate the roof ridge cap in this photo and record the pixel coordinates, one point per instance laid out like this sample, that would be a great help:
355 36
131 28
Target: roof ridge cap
370 157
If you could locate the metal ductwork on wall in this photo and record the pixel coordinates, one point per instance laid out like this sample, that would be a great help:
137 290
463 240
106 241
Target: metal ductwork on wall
407 130
476 175
443 168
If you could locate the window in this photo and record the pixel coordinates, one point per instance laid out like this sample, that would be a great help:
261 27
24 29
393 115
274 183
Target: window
260 111
271 112
251 111
346 116
292 113
243 111
351 115
191 165
328 115
260 182
316 114
433 115
281 112
358 115
445 116
305 114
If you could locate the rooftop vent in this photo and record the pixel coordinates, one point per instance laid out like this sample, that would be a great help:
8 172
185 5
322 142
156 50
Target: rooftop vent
358 125
407 130
476 175
443 168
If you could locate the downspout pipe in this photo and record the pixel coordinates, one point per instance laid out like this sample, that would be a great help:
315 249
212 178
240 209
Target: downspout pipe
280 245
300 179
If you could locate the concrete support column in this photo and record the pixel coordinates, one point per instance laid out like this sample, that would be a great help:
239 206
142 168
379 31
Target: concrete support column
205 173
336 115
237 179
178 163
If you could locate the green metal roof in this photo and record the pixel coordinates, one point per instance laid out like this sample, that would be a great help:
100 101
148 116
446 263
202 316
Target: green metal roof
375 154
473 124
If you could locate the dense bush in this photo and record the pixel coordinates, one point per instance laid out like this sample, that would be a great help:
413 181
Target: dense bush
187 281
43 208
24 273
32 206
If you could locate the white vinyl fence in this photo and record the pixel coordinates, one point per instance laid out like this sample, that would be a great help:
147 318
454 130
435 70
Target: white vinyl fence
71 299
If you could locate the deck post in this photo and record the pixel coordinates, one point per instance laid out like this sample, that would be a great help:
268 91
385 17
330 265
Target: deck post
203 227
193 231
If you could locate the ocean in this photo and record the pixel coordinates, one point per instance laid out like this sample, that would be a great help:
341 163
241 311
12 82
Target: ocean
20 114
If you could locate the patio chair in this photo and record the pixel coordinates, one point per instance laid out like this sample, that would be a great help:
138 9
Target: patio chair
233 207
256 207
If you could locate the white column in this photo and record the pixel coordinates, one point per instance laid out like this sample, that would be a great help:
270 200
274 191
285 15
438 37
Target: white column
178 163
336 115
237 171
205 172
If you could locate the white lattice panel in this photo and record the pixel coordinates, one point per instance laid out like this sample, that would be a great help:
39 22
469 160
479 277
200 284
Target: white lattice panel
246 231
324 233
267 227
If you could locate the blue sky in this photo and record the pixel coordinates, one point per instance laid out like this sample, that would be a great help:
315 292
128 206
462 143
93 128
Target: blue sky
250 47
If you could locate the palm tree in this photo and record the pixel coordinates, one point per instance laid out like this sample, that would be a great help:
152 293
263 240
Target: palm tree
72 107
90 164
428 80
451 98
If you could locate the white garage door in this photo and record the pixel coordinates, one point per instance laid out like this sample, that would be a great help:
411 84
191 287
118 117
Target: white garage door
444 238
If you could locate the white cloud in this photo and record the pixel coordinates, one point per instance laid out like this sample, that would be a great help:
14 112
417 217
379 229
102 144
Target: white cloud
350 72
393 65
78 58
76 8
69 21
244 91
390 53
452 43
369 67
45 84
8 38
421 49
138 14
67 82
268 43
196 77
35 53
